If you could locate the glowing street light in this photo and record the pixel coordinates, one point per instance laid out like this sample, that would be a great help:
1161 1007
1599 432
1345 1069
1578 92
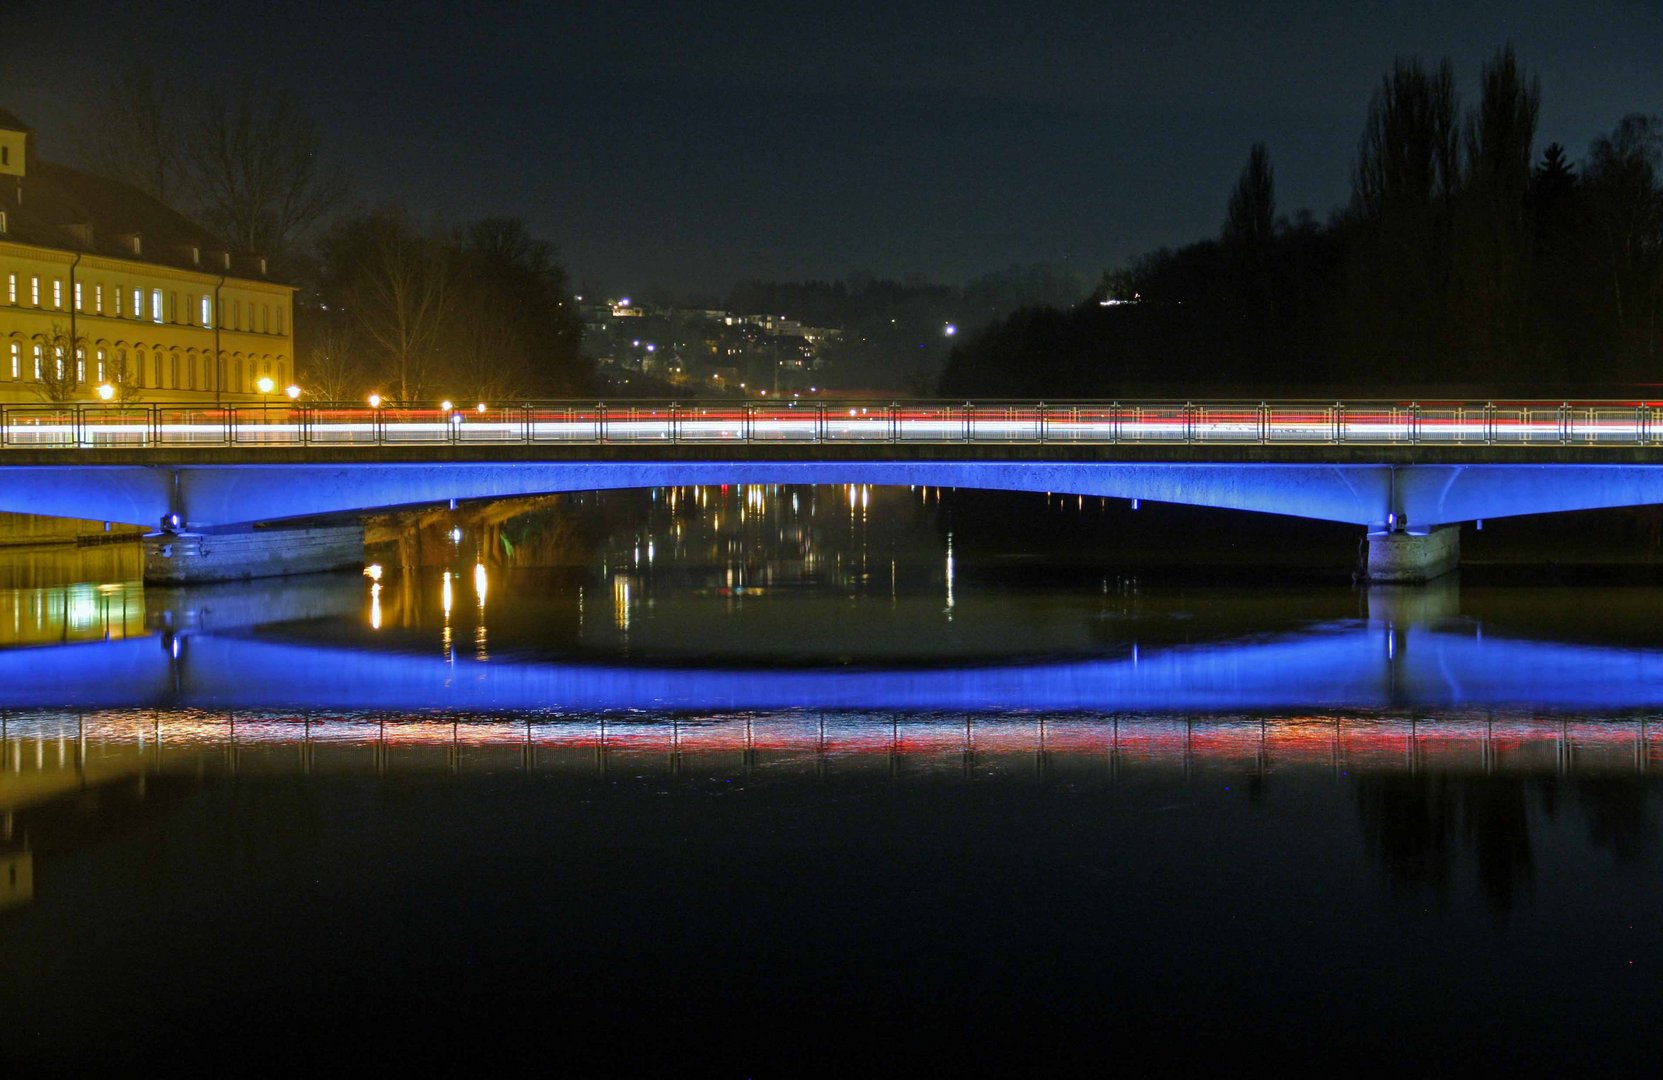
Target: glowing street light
292 391
265 386
375 401
105 391
950 330
445 405
480 407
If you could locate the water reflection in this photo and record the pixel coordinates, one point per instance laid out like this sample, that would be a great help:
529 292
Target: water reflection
1430 796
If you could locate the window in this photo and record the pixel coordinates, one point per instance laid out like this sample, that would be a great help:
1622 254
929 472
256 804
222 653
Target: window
236 315
100 365
173 307
207 311
11 288
17 360
34 289
173 370
117 292
138 368
58 293
78 305
280 318
265 318
98 298
138 303
155 305
156 370
80 365
58 360
2 221
39 356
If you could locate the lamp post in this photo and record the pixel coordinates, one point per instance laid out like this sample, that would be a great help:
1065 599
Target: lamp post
375 415
264 385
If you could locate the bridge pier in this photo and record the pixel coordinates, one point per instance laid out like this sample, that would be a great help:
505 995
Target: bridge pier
189 558
1402 558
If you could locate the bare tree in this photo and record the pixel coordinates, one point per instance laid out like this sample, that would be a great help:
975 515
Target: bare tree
60 369
247 162
397 288
132 133
256 169
331 371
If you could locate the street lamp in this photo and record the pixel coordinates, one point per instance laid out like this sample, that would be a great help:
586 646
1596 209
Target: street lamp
105 391
293 392
264 385
375 401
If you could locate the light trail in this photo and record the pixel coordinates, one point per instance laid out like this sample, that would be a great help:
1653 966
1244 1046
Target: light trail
1593 423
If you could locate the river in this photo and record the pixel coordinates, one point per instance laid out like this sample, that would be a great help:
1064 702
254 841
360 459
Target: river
783 780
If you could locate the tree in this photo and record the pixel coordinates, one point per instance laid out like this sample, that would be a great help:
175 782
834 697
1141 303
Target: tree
255 169
1403 187
1251 215
64 356
248 163
397 287
1625 202
332 372
133 135
1494 235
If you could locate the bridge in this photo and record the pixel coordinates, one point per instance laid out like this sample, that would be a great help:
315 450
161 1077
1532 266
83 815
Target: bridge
1408 473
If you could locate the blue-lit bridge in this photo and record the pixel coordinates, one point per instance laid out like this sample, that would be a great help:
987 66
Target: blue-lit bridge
1406 472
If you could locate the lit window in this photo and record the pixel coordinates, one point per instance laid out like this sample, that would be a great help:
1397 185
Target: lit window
2 221
58 360
80 365
207 311
11 288
98 298
117 292
39 355
138 303
34 289
17 360
57 293
100 365
155 305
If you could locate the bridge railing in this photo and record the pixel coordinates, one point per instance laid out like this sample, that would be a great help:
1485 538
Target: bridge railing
1361 423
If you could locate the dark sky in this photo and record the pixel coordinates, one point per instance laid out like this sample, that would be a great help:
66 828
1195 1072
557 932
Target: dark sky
690 145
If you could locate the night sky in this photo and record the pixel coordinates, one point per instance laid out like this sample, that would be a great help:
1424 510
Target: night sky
689 145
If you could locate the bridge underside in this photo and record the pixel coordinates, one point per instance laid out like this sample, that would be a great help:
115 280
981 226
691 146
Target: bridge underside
1383 498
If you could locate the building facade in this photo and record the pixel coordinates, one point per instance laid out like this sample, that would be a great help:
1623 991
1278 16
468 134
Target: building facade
103 285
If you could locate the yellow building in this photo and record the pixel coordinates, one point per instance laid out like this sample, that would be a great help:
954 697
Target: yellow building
101 283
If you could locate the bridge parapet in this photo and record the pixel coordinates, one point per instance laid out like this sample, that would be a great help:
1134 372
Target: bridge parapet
1210 423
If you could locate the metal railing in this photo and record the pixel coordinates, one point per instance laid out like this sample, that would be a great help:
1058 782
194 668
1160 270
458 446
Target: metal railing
1360 423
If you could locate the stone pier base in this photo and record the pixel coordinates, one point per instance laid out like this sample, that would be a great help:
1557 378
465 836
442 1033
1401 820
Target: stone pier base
190 558
1410 558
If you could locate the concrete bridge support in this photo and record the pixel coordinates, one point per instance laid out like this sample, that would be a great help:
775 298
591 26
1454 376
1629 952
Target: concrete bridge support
1403 558
189 558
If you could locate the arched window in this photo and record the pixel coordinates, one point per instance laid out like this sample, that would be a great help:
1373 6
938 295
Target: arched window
156 369
40 354
99 357
237 376
138 363
173 369
190 372
17 360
